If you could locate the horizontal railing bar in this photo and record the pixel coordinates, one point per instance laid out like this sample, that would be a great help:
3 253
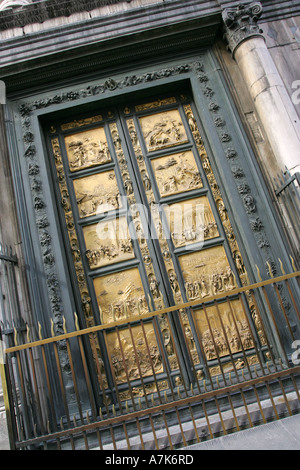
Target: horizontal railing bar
149 315
296 176
162 407
11 259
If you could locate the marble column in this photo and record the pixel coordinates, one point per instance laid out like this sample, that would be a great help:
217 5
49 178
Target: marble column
272 102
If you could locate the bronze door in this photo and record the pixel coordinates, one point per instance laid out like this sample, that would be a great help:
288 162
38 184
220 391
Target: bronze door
147 229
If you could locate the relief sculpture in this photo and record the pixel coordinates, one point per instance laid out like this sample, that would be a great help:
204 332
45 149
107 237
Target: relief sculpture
191 221
206 273
96 194
120 295
130 353
107 242
224 329
87 149
176 173
217 196
163 130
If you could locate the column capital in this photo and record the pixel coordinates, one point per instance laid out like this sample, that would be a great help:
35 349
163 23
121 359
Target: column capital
240 23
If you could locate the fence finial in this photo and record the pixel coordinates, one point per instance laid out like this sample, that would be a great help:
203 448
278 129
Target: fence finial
269 269
258 273
52 328
293 264
40 331
28 333
76 322
65 325
281 266
16 337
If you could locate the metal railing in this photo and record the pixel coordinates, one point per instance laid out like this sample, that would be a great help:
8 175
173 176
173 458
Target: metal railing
56 404
287 191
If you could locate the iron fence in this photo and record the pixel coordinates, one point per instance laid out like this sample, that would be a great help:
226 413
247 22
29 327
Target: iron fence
287 190
54 402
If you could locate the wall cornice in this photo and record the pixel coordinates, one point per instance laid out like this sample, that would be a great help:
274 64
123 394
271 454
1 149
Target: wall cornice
33 51
43 10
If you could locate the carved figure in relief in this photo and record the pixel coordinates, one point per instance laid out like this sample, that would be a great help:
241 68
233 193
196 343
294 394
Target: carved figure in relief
168 342
190 338
146 181
239 263
154 287
222 210
133 135
128 186
192 122
210 285
173 282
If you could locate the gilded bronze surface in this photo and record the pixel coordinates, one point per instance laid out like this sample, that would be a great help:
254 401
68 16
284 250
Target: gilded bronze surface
215 190
223 329
191 221
108 242
87 149
96 194
155 104
156 220
81 122
133 352
206 272
229 367
176 173
163 130
129 351
120 295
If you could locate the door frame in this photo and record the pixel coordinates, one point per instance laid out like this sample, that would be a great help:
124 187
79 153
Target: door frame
226 143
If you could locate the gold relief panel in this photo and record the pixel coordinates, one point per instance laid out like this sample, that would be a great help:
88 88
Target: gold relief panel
163 130
223 329
176 173
120 295
236 365
108 242
81 122
87 149
155 104
191 221
97 194
206 272
129 352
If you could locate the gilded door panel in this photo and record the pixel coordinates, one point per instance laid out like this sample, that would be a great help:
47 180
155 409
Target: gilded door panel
96 194
223 329
163 130
108 242
206 273
176 173
191 221
134 353
87 149
120 295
